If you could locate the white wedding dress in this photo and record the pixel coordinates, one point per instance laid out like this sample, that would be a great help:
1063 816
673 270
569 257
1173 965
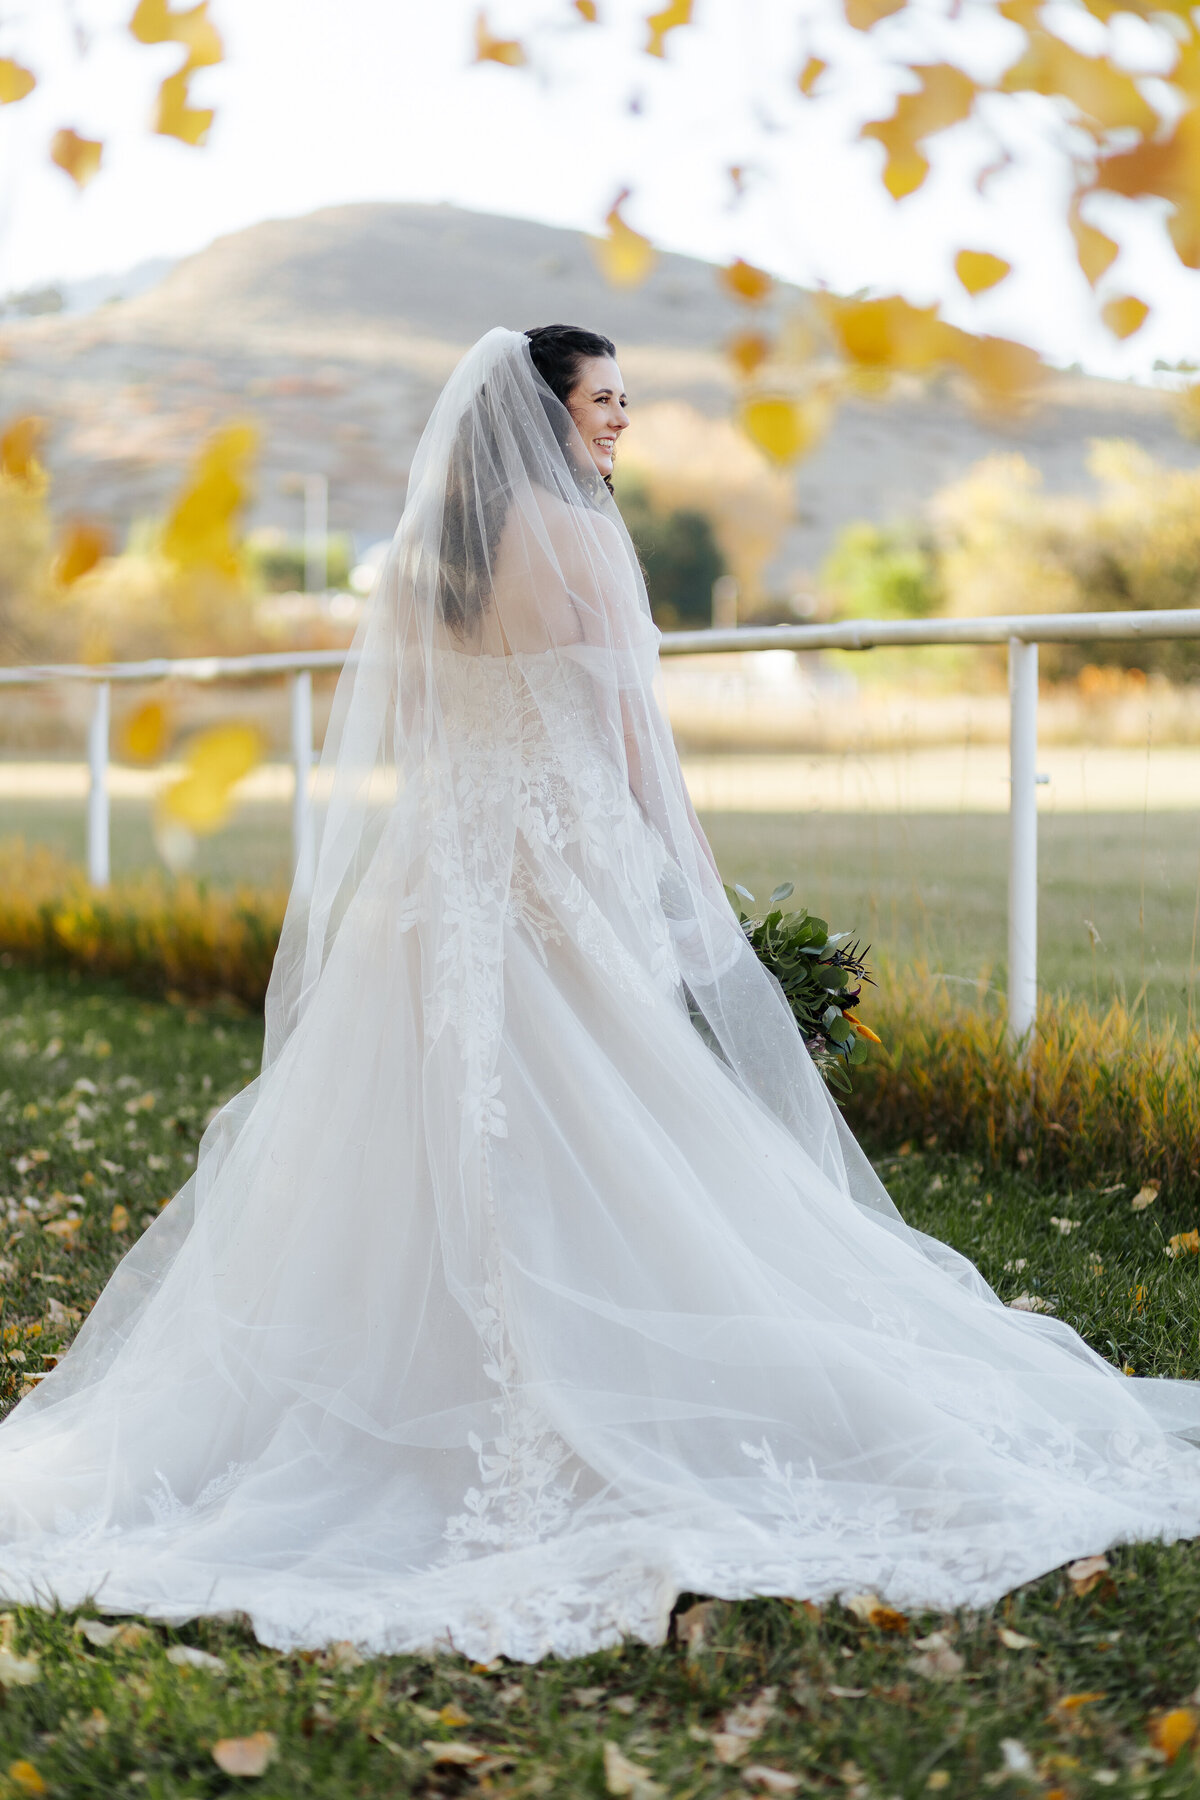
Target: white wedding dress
536 1279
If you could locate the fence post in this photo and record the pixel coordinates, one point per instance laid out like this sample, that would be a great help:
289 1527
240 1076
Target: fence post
97 806
302 748
1023 839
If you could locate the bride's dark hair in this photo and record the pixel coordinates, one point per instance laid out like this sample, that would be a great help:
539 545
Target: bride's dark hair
476 500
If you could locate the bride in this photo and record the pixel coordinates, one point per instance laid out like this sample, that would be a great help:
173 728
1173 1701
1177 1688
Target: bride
536 1279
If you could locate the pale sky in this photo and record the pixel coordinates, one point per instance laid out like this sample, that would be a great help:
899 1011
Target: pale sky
324 101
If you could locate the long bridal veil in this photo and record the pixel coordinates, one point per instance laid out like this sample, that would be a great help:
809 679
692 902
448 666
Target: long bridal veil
536 1278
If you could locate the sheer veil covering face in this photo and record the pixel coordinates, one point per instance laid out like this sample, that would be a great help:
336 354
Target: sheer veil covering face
536 1279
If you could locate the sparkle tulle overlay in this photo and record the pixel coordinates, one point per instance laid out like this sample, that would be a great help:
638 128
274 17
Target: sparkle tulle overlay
506 1304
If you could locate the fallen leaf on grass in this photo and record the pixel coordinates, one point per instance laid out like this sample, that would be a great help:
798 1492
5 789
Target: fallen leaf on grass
460 1755
18 1671
623 1777
1086 1573
1071 1703
588 1696
1014 1640
1173 1731
936 1659
251 1755
869 1609
770 1781
1032 1303
1017 1760
692 1626
26 1779
1184 1243
728 1748
185 1657
845 1693
1145 1196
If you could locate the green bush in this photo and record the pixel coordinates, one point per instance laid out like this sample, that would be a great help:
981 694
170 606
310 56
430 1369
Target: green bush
883 572
679 554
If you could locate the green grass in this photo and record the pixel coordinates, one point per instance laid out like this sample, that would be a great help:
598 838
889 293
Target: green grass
918 886
855 1710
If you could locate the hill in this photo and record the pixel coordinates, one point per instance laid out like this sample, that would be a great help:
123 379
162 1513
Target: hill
335 331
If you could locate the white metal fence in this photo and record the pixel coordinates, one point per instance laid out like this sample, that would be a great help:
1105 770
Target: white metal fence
1022 633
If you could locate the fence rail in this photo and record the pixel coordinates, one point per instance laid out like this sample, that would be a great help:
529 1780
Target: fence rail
1021 632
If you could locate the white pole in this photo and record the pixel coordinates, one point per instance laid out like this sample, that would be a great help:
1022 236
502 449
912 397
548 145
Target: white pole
1022 865
97 806
316 534
303 847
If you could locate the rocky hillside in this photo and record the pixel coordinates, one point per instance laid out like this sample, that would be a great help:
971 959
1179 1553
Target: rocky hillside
336 330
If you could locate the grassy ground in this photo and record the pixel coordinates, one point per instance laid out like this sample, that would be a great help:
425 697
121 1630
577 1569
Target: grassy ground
917 886
1061 1692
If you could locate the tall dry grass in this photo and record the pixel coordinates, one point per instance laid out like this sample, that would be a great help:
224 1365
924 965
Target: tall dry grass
1098 1096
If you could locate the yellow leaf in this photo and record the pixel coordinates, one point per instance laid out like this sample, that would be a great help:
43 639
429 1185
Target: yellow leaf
862 14
675 13
624 256
1004 373
251 1755
810 74
944 98
18 449
153 22
1084 1574
1173 1730
623 1777
1184 1243
144 733
454 1716
1103 93
15 82
214 762
1071 1703
175 117
119 1218
456 1754
199 531
1095 251
1125 315
745 282
1015 1640
1145 1196
785 428
587 10
489 48
747 351
81 548
882 335
18 1671
978 270
66 1229
25 1778
78 156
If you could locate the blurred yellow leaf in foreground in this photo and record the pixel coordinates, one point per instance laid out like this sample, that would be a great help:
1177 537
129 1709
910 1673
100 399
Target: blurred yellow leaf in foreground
26 1778
199 533
1094 249
175 117
587 11
489 48
153 22
810 74
784 427
1172 1731
678 12
15 82
862 14
886 334
625 256
82 546
215 761
78 157
1124 315
745 282
144 734
18 449
747 350
978 270
251 1755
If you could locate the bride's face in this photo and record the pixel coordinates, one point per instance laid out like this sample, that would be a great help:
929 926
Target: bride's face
598 406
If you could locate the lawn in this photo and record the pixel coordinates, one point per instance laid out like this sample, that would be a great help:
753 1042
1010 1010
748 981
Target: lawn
916 885
1063 1691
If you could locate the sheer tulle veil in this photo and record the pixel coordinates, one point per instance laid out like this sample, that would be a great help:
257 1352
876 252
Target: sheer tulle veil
536 1279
